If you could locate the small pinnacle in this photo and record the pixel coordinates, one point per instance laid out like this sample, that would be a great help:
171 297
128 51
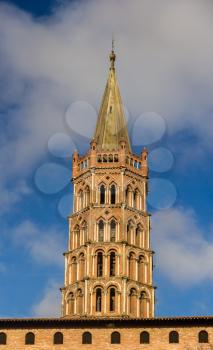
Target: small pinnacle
112 55
113 43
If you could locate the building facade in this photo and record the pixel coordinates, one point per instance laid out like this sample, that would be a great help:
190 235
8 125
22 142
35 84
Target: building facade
108 265
108 296
183 333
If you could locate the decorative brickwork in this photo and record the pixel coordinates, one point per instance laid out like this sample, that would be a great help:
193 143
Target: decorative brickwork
108 265
133 334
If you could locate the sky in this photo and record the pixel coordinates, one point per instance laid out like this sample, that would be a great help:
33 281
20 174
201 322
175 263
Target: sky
54 66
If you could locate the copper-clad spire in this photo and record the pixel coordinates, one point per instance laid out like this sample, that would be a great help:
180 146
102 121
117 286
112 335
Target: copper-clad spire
111 126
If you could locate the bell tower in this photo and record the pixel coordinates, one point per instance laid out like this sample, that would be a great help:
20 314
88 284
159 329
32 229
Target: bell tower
108 264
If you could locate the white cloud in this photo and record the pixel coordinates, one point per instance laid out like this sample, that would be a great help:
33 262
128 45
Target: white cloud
49 305
183 253
12 196
164 64
45 245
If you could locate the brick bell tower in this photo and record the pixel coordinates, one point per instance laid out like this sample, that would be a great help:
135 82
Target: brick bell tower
108 265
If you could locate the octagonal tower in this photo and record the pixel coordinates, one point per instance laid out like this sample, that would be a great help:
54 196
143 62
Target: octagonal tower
109 262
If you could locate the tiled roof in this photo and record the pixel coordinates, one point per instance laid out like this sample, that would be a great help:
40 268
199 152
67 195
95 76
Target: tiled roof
105 322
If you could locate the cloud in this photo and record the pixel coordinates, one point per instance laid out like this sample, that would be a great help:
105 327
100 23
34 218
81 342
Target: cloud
44 245
49 305
10 196
164 62
183 253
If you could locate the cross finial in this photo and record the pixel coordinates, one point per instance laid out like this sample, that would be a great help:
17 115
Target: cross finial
112 55
113 43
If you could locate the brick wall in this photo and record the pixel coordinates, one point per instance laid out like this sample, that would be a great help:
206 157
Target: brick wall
101 338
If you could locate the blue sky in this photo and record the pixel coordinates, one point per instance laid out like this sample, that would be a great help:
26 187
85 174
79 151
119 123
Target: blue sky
36 8
54 66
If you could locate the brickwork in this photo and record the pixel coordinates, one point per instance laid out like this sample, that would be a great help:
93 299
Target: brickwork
108 265
124 233
101 338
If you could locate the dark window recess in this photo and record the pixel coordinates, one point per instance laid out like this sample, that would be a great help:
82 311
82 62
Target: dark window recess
112 230
203 337
3 338
101 231
113 194
30 338
144 337
99 265
102 194
86 338
112 264
173 337
98 299
115 338
112 300
58 338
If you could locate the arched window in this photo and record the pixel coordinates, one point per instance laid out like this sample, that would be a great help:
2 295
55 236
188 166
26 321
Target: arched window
102 194
112 264
79 301
144 338
81 266
133 302
84 233
129 233
203 337
30 338
105 158
73 269
98 299
129 195
101 231
112 299
3 338
77 234
86 338
113 194
134 199
137 199
100 264
138 234
173 337
87 196
80 200
110 158
112 230
115 338
132 263
141 268
143 304
58 338
71 302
